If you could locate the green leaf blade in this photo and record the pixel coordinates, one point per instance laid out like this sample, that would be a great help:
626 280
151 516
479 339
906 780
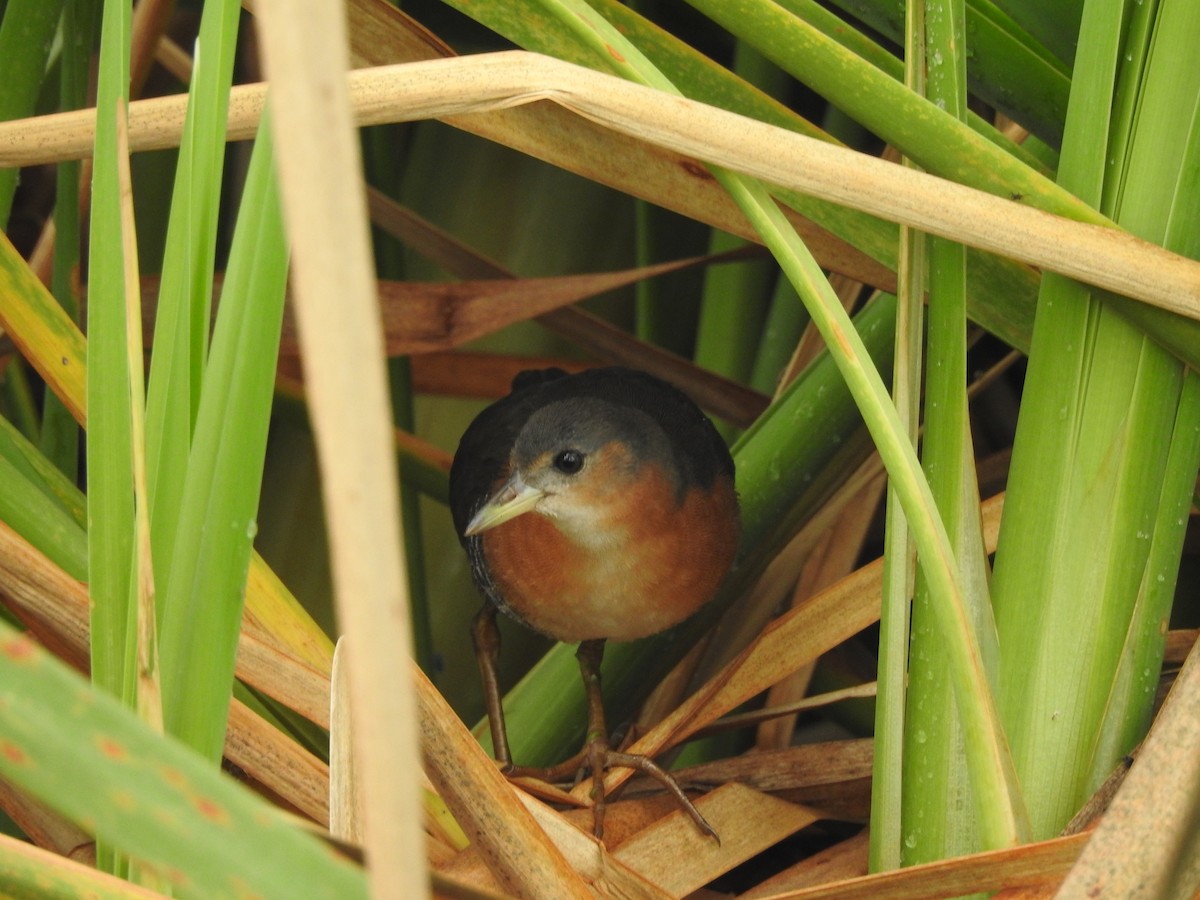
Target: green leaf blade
202 608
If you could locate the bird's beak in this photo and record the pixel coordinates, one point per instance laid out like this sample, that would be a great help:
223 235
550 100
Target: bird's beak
513 499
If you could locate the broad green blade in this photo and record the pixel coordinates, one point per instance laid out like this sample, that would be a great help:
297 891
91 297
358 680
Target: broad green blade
929 135
735 298
148 795
888 761
1104 416
39 470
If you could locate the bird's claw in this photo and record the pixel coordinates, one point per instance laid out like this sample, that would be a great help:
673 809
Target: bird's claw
601 758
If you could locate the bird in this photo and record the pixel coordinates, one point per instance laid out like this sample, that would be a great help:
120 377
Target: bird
593 506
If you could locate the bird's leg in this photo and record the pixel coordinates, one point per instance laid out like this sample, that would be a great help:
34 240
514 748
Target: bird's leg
600 756
596 753
485 635
595 744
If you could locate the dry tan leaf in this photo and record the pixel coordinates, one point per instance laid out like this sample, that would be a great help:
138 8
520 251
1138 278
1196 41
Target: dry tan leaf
833 558
627 815
740 626
674 855
282 677
804 765
49 600
37 588
423 317
721 396
515 848
863 691
577 145
294 635
345 805
476 374
824 621
174 59
833 777
278 763
605 872
1143 846
57 607
1180 644
1029 865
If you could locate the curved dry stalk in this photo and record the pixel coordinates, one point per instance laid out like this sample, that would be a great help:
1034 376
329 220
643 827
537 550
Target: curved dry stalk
1101 256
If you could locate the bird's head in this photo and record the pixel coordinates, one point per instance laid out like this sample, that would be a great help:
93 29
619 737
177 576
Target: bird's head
575 461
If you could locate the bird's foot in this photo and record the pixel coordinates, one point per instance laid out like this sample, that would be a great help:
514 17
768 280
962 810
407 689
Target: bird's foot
596 758
600 757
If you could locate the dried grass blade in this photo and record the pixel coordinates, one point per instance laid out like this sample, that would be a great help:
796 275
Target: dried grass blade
1140 849
54 345
796 768
1095 254
1028 865
278 763
149 691
38 323
46 828
833 558
241 844
607 875
345 803
519 854
675 856
422 317
55 607
304 50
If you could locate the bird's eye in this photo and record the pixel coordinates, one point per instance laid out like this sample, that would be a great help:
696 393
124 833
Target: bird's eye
569 462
